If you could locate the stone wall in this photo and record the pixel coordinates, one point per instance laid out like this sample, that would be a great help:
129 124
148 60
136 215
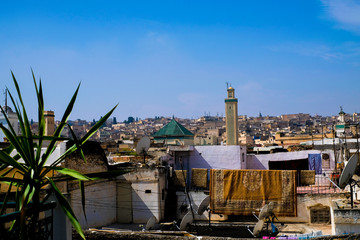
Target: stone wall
94 155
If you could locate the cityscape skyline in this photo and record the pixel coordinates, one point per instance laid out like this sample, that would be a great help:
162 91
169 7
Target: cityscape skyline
174 59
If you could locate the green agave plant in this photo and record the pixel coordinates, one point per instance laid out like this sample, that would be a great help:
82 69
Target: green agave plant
25 157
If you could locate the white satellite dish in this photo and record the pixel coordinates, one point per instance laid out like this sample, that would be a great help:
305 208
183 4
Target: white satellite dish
346 176
348 171
258 228
203 205
151 223
143 146
187 219
267 210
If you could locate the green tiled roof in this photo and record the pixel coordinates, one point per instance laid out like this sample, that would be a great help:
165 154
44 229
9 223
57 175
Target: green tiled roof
173 128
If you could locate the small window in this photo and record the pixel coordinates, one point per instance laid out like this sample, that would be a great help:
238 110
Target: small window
325 160
320 214
147 191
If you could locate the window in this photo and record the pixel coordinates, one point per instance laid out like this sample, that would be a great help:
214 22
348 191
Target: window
147 191
320 214
325 160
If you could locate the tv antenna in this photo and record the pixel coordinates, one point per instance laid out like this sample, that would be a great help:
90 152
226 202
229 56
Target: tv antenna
143 146
347 174
5 93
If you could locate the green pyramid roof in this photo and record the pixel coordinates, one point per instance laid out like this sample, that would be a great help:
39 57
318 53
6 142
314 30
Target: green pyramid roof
173 129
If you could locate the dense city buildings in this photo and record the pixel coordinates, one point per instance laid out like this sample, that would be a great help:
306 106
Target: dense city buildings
261 131
189 161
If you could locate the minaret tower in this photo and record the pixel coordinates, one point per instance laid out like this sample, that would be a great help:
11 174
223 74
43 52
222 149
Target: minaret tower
231 111
341 117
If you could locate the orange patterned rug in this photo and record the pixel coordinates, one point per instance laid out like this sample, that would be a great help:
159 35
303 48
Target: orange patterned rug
240 192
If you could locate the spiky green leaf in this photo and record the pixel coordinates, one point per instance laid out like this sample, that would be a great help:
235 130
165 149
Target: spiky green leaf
97 126
82 190
67 208
70 172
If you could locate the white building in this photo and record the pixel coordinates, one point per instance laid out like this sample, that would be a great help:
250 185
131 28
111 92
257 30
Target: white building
13 121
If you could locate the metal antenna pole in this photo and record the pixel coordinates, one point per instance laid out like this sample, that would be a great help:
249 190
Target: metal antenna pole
6 108
334 147
357 139
322 135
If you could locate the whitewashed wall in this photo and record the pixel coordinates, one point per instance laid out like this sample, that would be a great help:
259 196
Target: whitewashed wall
147 195
100 204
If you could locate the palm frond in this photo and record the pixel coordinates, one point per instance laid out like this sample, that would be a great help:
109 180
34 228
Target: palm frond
66 208
97 125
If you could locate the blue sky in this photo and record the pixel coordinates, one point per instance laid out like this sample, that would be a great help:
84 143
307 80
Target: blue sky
165 58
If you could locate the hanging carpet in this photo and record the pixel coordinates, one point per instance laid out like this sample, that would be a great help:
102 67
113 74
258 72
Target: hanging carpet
240 192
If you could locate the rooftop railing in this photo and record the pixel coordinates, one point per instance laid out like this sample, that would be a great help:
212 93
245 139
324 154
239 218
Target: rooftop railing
325 183
10 223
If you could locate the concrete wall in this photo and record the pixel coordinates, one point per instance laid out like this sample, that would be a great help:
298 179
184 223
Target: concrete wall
62 227
96 160
196 198
59 150
132 198
147 195
124 211
217 157
100 204
305 202
346 220
146 202
261 161
13 121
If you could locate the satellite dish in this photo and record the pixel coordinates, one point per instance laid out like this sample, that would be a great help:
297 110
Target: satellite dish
187 219
143 146
348 171
267 210
151 223
258 228
203 205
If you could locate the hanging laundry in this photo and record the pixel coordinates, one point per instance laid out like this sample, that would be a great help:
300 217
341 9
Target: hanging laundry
315 162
